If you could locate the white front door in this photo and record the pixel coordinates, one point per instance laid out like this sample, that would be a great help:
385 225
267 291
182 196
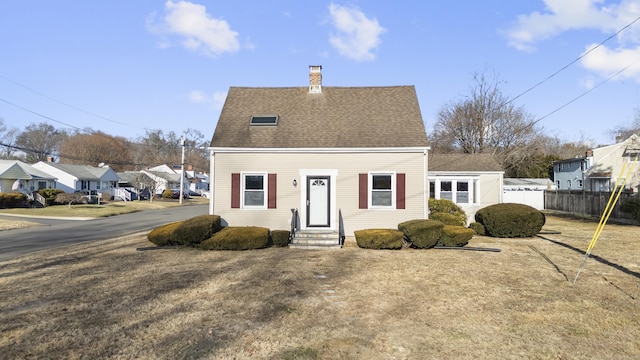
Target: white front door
318 201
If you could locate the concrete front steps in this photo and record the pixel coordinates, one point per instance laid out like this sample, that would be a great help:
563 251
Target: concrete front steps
316 240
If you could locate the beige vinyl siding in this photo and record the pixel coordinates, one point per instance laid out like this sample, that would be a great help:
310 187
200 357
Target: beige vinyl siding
345 166
489 191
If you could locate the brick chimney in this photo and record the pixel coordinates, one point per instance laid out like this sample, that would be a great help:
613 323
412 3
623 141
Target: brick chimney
315 79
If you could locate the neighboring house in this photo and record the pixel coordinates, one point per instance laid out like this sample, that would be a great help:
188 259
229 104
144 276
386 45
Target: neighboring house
601 168
16 175
134 185
526 191
569 174
168 177
82 178
472 181
198 182
164 180
351 156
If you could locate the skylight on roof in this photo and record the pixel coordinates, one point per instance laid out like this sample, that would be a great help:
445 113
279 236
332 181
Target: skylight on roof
264 120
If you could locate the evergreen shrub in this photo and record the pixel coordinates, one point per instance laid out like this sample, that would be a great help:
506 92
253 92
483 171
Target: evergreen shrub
12 199
448 207
632 206
510 220
379 238
423 234
197 229
280 238
165 234
447 219
49 195
167 194
455 235
478 228
238 238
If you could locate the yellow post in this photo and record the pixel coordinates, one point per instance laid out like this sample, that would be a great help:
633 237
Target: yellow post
613 199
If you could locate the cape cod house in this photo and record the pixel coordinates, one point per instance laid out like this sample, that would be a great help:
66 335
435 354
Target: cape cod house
341 158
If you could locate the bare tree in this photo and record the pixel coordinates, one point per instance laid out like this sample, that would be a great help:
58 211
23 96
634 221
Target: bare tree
8 136
622 133
40 141
95 147
486 122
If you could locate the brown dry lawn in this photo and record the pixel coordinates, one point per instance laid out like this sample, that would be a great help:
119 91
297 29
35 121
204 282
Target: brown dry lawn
108 300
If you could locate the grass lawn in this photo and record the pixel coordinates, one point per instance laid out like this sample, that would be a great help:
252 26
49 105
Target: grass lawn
108 300
105 209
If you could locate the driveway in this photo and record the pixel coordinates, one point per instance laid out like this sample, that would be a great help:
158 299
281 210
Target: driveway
58 232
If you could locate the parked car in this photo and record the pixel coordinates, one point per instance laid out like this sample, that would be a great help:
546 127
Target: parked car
205 194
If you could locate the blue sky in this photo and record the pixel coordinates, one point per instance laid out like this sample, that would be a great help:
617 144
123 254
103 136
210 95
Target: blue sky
125 66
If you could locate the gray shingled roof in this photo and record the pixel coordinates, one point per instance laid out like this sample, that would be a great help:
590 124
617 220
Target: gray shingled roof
82 172
463 162
338 117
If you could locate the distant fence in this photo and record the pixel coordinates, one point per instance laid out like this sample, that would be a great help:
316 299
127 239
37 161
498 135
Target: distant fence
585 202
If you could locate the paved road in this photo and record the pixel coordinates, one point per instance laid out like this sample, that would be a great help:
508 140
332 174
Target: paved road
66 232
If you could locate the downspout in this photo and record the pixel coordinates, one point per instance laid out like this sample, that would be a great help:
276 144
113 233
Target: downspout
212 176
425 186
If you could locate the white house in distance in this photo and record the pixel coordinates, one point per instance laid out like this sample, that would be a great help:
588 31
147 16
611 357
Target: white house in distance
91 179
16 175
351 156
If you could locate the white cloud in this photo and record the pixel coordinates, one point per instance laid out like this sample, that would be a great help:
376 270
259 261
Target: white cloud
564 15
216 99
356 36
607 62
198 30
561 16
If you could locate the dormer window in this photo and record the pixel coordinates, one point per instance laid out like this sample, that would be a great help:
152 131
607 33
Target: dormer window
264 120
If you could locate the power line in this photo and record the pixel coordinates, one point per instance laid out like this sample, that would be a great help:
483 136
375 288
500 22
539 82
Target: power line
588 91
575 61
69 105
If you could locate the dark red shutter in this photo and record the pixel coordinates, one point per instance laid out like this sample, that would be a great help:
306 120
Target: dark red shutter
235 191
400 185
272 191
363 191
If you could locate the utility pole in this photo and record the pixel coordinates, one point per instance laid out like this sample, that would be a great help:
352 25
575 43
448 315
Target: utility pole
182 170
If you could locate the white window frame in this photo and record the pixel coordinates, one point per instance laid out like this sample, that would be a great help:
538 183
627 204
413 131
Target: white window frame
472 190
393 191
265 189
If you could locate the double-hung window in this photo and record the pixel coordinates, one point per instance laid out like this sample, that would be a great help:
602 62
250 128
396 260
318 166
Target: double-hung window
382 189
254 191
461 190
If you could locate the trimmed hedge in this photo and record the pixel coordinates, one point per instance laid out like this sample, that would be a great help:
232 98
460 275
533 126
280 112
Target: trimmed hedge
280 238
447 219
167 194
424 234
478 228
455 235
12 199
447 207
238 238
197 229
165 234
49 195
379 238
632 207
510 220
